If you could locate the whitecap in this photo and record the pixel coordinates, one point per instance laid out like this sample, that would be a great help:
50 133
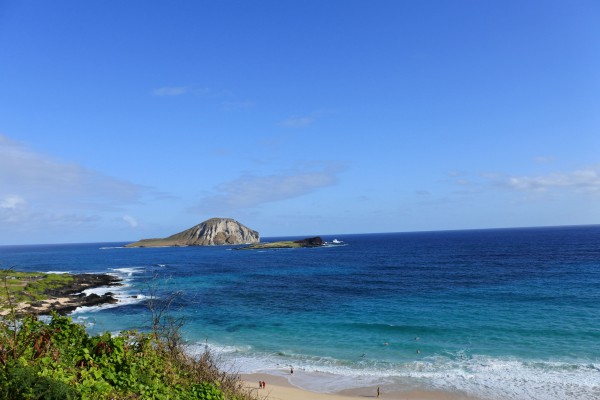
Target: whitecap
477 376
126 271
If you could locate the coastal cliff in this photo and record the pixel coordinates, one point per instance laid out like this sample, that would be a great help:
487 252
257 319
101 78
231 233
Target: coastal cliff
213 232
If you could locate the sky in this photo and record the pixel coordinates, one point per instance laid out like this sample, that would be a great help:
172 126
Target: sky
122 120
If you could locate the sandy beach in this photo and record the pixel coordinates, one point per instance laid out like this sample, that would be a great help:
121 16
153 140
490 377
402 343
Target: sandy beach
280 388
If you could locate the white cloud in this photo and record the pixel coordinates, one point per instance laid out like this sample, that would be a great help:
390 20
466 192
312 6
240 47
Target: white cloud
37 177
250 191
297 122
13 208
171 91
11 201
585 180
131 221
42 194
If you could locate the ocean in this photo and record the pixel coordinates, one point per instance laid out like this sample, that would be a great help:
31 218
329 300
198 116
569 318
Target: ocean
496 314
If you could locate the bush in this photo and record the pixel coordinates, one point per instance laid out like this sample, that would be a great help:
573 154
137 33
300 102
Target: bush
59 360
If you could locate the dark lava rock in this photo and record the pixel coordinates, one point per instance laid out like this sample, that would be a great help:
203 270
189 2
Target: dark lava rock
310 242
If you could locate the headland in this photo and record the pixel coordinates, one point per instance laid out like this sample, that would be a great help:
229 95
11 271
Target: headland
41 293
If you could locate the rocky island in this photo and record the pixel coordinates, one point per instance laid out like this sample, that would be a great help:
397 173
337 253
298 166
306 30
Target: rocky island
287 244
213 232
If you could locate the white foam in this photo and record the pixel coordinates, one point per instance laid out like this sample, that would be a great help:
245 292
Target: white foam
58 272
329 244
479 376
513 379
100 291
126 271
122 294
199 348
122 298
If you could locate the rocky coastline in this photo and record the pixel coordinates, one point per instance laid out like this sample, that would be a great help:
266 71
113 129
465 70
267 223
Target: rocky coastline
68 297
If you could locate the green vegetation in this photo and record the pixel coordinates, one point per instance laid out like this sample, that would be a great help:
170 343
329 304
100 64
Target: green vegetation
156 243
58 359
28 286
273 245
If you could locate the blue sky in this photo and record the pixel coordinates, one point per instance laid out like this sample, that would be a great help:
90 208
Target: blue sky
126 120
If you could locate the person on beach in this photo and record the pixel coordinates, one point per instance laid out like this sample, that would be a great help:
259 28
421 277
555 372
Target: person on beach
292 370
260 384
377 391
264 384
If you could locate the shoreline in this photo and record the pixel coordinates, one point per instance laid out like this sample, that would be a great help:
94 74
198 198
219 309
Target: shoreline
282 388
70 296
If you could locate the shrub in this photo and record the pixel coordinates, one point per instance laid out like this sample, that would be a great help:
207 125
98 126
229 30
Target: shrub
59 360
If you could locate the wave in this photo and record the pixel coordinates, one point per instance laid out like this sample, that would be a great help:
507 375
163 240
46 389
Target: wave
126 271
478 376
123 299
328 244
123 294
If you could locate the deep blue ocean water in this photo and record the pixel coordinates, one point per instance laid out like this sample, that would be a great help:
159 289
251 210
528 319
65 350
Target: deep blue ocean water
498 314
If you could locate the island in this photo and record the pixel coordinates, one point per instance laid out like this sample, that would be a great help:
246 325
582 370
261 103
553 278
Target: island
41 293
308 242
212 232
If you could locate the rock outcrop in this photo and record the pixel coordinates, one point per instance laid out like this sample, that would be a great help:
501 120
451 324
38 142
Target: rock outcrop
286 244
70 296
310 242
213 232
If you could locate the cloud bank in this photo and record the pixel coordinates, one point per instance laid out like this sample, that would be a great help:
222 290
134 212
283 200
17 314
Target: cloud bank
250 191
586 180
36 186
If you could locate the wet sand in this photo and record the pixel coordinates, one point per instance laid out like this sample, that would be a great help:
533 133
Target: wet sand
280 388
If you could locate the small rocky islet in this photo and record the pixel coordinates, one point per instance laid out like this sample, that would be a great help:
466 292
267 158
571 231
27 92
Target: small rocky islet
224 231
212 232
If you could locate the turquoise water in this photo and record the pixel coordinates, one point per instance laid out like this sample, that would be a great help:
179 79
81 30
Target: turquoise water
499 314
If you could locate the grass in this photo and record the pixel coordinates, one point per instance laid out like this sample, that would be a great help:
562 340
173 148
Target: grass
273 245
21 287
